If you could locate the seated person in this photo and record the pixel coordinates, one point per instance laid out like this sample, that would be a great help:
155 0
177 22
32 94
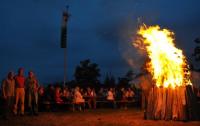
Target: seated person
102 94
49 93
78 99
130 94
58 96
110 98
66 94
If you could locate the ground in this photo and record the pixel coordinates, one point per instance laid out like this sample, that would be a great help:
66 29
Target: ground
100 117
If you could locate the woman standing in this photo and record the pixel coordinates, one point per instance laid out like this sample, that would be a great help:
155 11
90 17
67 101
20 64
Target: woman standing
32 90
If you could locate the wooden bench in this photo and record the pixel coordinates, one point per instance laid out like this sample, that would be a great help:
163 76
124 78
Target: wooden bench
53 106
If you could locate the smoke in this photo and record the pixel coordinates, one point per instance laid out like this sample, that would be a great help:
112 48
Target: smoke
130 50
134 58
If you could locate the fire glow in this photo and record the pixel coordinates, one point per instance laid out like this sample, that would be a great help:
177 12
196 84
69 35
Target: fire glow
167 64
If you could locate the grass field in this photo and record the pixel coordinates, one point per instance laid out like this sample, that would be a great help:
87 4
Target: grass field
100 117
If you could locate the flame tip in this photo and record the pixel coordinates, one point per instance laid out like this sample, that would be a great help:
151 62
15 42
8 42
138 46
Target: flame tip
167 63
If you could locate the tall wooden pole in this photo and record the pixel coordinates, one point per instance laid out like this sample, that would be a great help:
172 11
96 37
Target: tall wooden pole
65 67
64 41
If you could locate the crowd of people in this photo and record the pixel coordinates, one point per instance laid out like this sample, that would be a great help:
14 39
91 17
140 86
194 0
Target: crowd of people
89 96
20 93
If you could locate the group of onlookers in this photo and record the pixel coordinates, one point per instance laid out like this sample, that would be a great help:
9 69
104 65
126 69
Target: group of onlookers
86 96
18 89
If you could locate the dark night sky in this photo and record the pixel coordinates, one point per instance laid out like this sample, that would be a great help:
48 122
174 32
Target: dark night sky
101 30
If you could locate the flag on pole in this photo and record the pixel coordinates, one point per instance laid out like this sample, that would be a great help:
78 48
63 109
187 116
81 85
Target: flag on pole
64 30
63 37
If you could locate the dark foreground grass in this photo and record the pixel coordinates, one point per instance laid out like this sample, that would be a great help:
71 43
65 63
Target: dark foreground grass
100 117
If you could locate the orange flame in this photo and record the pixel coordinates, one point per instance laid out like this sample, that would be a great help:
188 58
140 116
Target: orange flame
167 65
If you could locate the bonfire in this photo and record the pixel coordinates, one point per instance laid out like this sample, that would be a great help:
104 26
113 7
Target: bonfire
171 97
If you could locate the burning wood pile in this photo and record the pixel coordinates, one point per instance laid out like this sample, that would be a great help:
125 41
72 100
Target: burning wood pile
171 97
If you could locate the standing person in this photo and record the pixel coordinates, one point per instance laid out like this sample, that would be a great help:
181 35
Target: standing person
146 86
32 91
198 94
8 92
20 92
91 98
123 98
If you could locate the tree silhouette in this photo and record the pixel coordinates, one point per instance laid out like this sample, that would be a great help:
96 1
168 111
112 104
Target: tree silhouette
124 81
196 53
109 81
130 75
87 73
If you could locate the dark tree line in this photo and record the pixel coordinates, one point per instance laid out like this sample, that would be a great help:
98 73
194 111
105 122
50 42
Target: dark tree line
88 73
196 54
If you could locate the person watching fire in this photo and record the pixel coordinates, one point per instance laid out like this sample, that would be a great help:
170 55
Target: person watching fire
20 92
32 91
8 91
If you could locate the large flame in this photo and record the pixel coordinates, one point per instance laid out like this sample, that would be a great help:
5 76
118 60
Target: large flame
167 65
